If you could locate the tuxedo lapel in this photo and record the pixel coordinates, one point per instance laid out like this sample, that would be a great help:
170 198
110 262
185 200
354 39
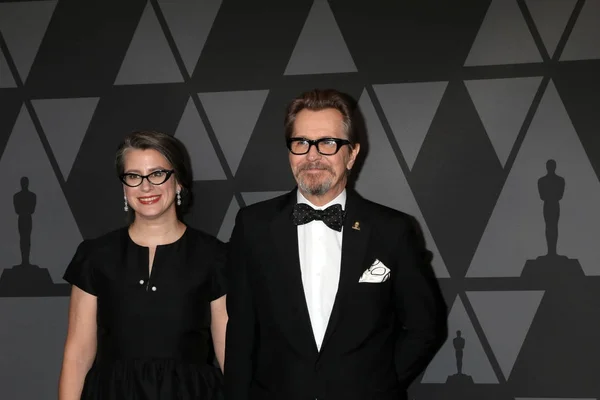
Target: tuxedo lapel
354 245
284 235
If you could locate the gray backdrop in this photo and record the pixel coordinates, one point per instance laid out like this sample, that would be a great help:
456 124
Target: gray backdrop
465 102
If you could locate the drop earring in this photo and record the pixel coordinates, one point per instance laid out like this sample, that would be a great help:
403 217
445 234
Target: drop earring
179 197
126 208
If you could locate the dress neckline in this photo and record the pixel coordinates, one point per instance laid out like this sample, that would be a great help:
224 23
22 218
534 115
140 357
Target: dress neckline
175 242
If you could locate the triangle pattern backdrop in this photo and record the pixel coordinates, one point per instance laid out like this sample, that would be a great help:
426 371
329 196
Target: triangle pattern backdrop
550 17
515 231
502 105
583 42
504 30
505 318
190 22
381 179
233 133
29 338
321 48
409 109
475 361
228 221
191 131
65 122
23 25
6 78
149 58
50 248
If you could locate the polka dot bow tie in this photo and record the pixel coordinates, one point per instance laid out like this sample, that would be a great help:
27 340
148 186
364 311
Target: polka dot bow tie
332 216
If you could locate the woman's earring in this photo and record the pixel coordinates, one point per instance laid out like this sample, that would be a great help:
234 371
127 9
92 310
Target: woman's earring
126 208
179 197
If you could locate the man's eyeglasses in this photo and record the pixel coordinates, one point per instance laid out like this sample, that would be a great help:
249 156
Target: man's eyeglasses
325 146
156 178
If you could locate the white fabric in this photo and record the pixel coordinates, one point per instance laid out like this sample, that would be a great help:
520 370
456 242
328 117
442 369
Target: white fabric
320 251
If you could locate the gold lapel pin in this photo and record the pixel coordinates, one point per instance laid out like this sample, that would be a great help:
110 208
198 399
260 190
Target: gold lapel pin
356 226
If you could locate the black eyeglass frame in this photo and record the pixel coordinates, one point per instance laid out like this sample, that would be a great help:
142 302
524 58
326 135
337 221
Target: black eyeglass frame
339 143
168 173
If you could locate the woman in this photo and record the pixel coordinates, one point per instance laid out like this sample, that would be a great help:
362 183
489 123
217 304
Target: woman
144 297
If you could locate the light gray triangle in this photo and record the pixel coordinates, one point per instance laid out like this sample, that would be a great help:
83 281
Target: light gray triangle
382 180
515 231
191 131
550 17
6 78
149 58
321 48
33 328
55 234
23 25
65 123
410 108
502 105
475 362
190 22
505 317
503 37
583 41
233 133
255 197
228 221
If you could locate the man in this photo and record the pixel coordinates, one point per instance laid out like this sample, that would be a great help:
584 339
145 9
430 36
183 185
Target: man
340 307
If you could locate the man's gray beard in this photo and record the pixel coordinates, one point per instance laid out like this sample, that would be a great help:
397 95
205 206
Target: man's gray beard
314 190
315 187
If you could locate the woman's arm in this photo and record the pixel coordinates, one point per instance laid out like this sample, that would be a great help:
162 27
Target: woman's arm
80 345
218 326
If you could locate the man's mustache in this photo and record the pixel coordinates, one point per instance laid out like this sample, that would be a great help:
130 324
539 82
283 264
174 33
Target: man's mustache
315 165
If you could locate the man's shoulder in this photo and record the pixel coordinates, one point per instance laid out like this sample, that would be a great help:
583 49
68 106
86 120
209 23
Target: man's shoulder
266 208
381 211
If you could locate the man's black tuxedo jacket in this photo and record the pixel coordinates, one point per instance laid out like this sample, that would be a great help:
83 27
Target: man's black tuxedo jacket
380 336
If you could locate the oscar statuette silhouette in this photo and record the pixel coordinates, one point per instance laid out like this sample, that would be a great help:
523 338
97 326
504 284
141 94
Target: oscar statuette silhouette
25 279
459 378
561 347
461 385
551 266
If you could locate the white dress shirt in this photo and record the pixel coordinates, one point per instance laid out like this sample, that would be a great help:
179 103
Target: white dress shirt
320 251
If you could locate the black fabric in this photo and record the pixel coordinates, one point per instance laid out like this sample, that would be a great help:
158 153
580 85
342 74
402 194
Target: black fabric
153 329
379 337
332 216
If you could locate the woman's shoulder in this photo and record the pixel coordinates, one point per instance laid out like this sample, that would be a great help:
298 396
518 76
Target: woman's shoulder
200 235
90 254
200 239
105 242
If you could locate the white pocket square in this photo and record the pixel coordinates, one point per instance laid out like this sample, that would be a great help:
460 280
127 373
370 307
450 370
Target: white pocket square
376 273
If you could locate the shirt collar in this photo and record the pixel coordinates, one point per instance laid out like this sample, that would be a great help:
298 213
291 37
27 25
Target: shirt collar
340 199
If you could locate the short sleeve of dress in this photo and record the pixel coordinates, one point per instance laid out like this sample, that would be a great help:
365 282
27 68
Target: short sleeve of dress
218 279
80 271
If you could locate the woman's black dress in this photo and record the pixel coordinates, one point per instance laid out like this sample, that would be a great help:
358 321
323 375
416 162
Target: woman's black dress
153 329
